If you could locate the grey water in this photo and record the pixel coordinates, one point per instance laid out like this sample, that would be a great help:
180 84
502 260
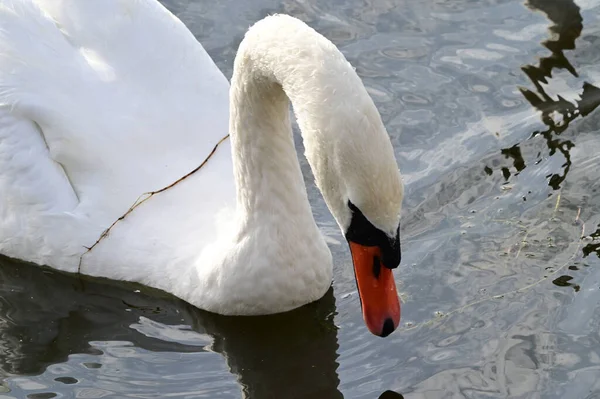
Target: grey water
492 110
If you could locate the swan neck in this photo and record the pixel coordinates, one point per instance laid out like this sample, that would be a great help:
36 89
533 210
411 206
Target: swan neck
282 60
268 176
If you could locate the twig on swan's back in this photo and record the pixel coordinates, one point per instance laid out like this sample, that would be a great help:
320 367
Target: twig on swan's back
145 197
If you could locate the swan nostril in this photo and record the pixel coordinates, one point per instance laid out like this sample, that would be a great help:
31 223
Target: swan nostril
388 328
376 267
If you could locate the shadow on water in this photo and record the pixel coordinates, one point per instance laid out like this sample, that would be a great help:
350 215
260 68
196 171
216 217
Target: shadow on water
558 113
391 395
46 316
281 355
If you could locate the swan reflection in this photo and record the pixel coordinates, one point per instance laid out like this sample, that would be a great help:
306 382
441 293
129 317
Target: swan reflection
112 338
99 338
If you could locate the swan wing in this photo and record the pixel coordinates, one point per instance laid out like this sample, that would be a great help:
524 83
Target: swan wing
100 102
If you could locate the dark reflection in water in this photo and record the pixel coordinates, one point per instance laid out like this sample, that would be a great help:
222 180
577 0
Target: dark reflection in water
292 355
391 395
593 247
567 27
564 281
556 114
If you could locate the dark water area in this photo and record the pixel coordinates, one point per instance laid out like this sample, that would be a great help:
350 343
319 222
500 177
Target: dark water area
492 107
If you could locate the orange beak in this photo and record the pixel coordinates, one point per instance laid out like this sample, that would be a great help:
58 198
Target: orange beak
377 290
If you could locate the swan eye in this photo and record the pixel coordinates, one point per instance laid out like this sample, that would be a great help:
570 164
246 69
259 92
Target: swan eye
361 231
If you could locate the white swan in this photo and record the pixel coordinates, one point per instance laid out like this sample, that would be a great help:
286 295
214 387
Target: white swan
103 100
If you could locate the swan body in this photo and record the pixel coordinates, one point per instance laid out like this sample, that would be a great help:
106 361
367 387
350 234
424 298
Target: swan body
102 101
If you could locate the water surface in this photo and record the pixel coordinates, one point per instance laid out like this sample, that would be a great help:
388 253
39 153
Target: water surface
491 106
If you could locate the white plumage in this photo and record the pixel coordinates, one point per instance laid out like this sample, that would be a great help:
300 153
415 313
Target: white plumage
104 100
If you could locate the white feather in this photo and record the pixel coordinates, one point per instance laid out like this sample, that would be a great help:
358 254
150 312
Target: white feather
104 100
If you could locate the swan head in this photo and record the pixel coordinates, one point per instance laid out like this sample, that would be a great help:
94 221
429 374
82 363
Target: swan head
369 217
363 188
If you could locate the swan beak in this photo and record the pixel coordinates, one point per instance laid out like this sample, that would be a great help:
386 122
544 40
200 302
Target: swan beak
377 290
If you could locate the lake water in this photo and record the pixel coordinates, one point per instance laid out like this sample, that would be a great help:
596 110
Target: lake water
491 106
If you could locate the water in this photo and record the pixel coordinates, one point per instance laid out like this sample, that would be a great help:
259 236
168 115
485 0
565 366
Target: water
491 106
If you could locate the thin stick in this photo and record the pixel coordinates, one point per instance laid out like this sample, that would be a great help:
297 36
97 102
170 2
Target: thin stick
557 204
145 197
523 243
